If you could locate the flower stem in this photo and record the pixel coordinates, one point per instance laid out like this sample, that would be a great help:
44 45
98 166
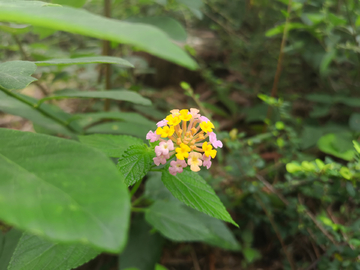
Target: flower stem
135 188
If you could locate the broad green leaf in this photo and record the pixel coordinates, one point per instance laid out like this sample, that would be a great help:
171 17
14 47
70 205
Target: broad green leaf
110 145
16 75
354 121
13 106
71 3
123 95
220 235
170 26
181 223
336 145
85 60
173 221
144 247
336 20
194 6
14 29
192 189
8 242
134 129
135 163
62 190
77 21
85 119
155 189
33 252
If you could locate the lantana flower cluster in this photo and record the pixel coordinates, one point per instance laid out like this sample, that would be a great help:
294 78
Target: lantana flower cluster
189 137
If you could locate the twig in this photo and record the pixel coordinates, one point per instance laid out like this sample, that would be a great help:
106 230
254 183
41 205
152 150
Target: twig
195 260
107 51
280 59
273 224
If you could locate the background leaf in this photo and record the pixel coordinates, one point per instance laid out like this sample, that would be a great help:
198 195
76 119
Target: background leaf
135 163
85 60
191 189
8 243
170 26
120 128
144 247
13 106
33 252
111 145
16 75
63 190
82 22
178 222
85 119
123 95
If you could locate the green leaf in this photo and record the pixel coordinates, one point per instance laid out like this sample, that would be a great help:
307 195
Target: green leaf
137 130
338 145
8 244
123 95
110 145
77 21
191 189
85 119
194 6
85 60
160 267
135 163
13 106
173 221
71 3
144 247
336 20
181 223
16 75
170 26
155 189
33 252
14 29
62 190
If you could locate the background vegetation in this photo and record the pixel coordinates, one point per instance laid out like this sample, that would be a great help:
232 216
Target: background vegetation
280 80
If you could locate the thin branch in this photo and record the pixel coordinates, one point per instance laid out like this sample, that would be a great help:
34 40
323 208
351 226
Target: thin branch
280 60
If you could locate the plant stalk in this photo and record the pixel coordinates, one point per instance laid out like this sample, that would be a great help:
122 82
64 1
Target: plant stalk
107 52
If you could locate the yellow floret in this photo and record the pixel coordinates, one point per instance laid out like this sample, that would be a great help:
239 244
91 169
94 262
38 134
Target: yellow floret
173 120
208 150
182 151
206 126
165 131
185 116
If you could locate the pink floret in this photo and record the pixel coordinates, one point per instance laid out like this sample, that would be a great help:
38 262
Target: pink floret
177 166
160 159
204 119
162 123
152 136
215 143
206 161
